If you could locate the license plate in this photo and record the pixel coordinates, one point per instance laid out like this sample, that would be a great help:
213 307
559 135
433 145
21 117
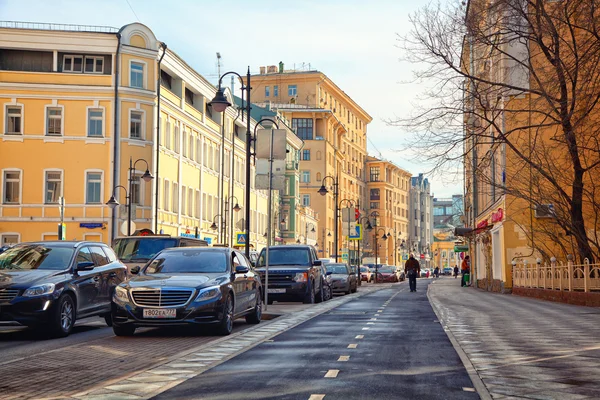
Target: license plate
276 291
160 313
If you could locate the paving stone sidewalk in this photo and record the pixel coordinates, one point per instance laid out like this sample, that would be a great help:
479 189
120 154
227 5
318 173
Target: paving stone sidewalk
522 348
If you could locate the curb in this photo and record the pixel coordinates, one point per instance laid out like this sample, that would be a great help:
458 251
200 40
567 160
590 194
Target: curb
480 387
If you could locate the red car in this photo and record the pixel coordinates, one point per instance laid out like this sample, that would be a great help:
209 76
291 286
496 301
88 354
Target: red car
386 273
364 273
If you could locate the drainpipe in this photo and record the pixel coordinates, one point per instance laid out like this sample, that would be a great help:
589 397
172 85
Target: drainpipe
116 138
157 181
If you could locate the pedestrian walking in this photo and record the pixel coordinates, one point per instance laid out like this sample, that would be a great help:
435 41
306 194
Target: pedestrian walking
465 268
412 268
436 272
455 271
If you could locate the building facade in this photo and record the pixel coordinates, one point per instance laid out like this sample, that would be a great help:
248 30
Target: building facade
83 103
333 127
447 249
420 219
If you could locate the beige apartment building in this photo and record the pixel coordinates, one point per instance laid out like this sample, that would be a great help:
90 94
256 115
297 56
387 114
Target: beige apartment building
334 129
388 188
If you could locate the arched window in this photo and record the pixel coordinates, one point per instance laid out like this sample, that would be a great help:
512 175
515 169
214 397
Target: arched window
318 155
318 177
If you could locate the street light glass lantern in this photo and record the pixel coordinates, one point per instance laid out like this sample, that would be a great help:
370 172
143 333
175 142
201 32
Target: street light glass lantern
213 226
147 177
329 234
237 207
112 202
323 190
369 226
219 103
313 229
384 237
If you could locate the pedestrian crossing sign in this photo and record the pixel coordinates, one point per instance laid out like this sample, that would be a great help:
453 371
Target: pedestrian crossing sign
355 232
240 238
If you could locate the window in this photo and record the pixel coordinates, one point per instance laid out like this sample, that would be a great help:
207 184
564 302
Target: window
93 188
135 191
292 90
94 65
267 91
191 148
14 120
12 187
183 199
136 78
53 187
135 125
175 197
306 176
95 122
275 91
73 64
53 121
374 205
166 191
190 202
184 143
318 155
306 200
167 143
176 139
374 174
318 177
165 79
303 128
375 194
306 155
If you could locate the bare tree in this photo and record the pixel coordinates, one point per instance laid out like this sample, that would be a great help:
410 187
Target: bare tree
513 93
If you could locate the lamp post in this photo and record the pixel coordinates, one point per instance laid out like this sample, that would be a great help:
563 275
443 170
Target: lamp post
112 202
147 177
220 104
384 237
368 228
323 191
214 226
235 208
306 231
395 244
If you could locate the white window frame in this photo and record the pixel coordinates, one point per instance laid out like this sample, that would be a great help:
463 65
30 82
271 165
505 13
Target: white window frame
141 188
47 109
73 56
304 174
292 90
267 91
62 183
7 234
94 69
6 117
87 121
142 114
144 73
275 90
306 197
3 188
85 183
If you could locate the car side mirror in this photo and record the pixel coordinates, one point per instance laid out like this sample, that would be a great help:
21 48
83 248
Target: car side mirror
240 269
135 270
317 263
328 273
85 266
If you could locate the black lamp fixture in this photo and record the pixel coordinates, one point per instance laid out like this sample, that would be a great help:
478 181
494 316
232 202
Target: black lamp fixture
219 103
214 226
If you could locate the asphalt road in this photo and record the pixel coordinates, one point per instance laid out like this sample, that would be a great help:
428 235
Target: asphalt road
385 345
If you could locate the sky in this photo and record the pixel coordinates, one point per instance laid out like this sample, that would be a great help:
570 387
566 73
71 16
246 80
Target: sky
354 42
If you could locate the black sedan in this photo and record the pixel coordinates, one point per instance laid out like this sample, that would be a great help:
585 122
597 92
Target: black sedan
49 285
189 286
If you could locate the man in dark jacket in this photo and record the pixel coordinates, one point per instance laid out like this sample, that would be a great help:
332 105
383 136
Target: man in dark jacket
412 268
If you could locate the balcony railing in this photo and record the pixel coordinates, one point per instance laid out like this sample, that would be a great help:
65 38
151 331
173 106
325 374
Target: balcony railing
57 27
568 277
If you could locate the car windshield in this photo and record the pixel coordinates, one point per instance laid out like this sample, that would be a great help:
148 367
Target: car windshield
337 269
188 262
36 256
364 269
387 270
134 249
285 256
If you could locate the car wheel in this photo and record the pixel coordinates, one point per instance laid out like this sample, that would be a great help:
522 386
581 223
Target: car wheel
326 293
64 316
124 330
256 314
310 297
108 319
226 325
319 297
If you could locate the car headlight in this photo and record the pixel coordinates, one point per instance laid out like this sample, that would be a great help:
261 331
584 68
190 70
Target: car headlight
300 277
39 290
121 293
208 293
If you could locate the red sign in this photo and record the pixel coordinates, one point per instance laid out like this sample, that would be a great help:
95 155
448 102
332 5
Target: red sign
498 216
482 224
422 256
356 214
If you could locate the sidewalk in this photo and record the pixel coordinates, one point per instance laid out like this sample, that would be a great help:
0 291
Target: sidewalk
522 347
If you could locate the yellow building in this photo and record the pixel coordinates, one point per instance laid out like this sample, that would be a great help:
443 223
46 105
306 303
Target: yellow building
334 129
61 134
388 193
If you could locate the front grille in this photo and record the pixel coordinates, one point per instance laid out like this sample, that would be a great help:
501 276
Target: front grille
6 295
161 297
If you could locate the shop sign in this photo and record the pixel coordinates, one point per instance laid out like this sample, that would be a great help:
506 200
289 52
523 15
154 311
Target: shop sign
498 216
483 224
90 225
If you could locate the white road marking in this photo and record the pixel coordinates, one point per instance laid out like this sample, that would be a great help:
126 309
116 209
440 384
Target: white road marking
373 319
332 373
344 358
466 389
365 329
316 397
352 345
379 310
370 323
359 337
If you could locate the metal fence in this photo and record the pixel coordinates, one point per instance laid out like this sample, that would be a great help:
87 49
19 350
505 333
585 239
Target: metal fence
57 27
557 276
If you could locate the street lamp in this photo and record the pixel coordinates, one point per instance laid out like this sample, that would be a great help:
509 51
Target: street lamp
235 208
368 228
384 237
214 226
396 237
220 103
323 191
306 231
147 177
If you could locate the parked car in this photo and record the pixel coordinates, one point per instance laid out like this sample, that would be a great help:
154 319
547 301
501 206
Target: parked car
425 272
136 251
294 273
51 284
189 286
387 273
371 273
447 271
327 284
4 248
364 273
400 274
343 279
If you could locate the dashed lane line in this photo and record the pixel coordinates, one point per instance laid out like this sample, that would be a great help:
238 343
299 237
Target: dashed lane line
332 373
344 358
353 345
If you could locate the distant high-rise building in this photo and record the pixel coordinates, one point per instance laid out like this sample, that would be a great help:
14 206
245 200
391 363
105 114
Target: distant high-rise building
420 218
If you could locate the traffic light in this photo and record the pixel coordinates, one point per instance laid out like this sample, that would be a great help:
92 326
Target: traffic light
356 214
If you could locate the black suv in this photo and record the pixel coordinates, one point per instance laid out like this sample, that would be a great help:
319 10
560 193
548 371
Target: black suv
295 274
51 284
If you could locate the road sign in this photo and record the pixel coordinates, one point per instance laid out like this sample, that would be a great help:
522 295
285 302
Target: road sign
356 214
405 257
355 231
344 256
240 238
